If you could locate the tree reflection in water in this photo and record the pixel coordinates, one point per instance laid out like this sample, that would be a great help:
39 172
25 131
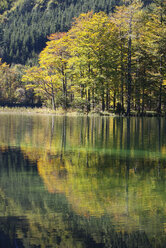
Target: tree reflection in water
102 186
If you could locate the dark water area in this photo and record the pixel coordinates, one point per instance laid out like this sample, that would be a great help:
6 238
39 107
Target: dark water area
82 182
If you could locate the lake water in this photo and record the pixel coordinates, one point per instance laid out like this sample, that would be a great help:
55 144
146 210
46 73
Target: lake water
80 182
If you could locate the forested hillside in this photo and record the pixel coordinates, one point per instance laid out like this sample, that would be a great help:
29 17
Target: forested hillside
25 24
112 60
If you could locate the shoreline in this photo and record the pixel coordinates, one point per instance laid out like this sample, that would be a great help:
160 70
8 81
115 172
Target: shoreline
70 112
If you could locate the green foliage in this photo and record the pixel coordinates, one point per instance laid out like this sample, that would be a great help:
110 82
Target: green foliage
104 60
107 61
27 25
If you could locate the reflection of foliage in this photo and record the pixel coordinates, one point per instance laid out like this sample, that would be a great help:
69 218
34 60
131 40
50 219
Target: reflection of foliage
46 218
80 164
120 137
38 228
97 190
41 222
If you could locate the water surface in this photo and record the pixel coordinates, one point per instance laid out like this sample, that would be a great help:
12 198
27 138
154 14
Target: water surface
82 182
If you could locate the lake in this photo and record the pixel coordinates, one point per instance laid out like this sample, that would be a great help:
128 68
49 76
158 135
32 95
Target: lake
82 182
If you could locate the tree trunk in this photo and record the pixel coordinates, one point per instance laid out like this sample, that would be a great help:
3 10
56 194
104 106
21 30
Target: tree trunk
82 91
88 105
143 97
82 95
65 92
53 103
103 100
129 70
114 100
160 87
93 98
108 99
122 78
161 64
137 87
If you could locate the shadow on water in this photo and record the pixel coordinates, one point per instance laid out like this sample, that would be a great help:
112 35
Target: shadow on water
8 229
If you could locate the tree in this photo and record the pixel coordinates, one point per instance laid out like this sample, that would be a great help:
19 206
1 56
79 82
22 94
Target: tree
94 56
54 60
50 78
44 85
126 18
160 12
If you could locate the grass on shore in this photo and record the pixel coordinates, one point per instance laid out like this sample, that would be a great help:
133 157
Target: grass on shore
44 110
29 110
69 112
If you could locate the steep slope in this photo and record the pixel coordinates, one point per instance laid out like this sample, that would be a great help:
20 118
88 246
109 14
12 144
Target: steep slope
26 24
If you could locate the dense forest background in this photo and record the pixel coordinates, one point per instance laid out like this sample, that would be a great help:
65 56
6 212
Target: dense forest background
25 24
